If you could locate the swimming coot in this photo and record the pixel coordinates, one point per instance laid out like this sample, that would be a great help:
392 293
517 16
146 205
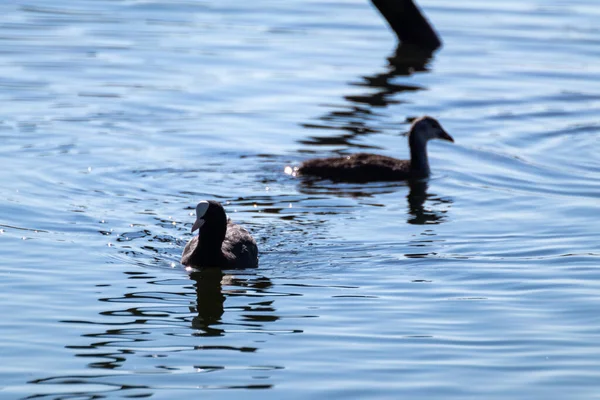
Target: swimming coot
220 242
365 167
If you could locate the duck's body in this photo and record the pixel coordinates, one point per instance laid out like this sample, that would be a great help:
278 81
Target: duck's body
220 243
365 167
360 167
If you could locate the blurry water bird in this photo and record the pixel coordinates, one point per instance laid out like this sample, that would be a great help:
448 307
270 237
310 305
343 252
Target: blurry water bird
366 167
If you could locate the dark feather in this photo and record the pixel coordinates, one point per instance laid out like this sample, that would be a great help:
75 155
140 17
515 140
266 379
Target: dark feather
361 167
236 248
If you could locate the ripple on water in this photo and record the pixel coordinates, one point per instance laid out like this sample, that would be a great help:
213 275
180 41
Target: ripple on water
119 116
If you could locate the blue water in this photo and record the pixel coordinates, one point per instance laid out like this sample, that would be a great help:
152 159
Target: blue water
117 117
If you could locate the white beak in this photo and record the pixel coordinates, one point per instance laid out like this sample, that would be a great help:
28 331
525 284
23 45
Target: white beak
198 224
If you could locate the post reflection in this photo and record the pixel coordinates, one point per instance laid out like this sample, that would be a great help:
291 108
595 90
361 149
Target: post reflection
405 61
359 116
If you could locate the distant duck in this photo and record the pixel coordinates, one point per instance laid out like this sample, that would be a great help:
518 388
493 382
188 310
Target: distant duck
365 167
220 243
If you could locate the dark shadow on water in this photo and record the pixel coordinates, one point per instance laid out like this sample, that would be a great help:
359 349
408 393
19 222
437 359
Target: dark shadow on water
424 208
417 197
210 299
359 116
166 311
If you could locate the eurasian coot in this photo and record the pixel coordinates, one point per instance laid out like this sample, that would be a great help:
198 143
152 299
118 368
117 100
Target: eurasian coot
219 243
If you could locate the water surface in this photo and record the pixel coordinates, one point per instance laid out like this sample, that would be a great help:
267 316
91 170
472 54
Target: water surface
118 116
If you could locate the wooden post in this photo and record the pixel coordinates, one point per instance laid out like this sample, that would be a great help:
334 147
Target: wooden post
410 25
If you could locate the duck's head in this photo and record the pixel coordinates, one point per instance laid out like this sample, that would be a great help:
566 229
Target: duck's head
426 128
211 219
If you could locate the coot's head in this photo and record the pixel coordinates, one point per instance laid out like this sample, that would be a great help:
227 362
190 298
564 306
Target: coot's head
211 219
429 128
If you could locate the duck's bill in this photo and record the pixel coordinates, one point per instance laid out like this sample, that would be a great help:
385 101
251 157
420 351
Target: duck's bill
447 137
198 224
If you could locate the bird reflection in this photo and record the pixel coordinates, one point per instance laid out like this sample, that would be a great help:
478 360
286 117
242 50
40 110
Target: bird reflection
210 299
358 116
417 197
419 215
